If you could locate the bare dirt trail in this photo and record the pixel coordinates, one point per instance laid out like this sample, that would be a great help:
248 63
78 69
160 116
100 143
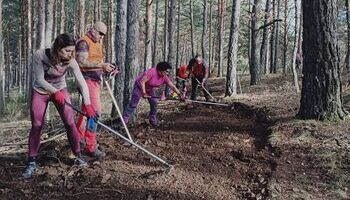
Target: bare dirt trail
218 153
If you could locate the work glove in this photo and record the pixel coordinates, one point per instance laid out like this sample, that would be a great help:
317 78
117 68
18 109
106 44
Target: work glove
58 97
89 111
182 98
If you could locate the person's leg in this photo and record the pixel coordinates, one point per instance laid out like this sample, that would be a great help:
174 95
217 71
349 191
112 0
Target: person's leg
194 89
135 98
67 116
37 111
153 108
90 135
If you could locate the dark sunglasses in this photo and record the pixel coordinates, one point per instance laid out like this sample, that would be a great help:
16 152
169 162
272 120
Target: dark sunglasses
101 34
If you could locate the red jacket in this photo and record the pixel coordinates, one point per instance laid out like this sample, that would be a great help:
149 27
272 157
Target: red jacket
181 72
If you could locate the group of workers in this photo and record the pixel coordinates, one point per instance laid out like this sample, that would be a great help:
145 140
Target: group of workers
84 58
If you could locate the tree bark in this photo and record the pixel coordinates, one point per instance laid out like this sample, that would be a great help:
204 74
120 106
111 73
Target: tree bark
285 38
131 62
120 51
171 29
49 23
165 35
221 36
148 38
231 76
81 29
192 30
254 68
29 53
178 34
41 25
264 43
210 34
54 23
63 17
347 58
155 36
204 32
321 95
2 77
276 41
296 42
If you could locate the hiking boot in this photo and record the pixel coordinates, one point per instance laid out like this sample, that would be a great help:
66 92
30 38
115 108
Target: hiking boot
97 154
80 162
28 171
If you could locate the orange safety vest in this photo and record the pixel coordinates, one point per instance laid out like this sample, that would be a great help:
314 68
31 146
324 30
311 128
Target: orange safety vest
95 53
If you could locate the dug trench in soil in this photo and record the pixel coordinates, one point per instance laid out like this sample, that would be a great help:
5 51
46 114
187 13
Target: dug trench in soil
218 153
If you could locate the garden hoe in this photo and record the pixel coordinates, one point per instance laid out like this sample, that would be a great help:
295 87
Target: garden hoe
126 139
205 89
118 110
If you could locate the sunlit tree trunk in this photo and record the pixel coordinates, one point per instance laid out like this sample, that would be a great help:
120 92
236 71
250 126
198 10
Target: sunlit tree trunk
231 76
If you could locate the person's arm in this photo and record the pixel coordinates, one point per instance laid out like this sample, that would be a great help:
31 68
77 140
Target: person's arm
143 86
38 75
174 88
82 54
81 81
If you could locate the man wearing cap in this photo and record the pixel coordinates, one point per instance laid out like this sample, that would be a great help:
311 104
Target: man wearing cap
90 59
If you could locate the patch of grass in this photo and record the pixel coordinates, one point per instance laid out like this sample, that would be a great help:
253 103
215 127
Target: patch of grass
336 163
15 106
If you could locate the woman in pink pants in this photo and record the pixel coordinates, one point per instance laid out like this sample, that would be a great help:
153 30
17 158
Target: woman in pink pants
49 84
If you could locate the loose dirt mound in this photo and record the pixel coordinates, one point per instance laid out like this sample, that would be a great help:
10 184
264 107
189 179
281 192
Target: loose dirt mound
218 153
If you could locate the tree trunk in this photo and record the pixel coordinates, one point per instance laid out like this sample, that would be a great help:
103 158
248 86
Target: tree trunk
285 38
54 23
120 49
178 34
276 44
7 65
148 38
171 29
29 53
155 36
273 38
63 17
41 25
296 42
2 73
96 14
231 76
221 36
110 33
192 30
347 58
254 68
81 29
321 95
131 62
264 43
165 35
210 34
204 32
49 23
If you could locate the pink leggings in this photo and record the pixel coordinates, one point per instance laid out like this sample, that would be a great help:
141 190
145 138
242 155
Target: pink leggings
38 110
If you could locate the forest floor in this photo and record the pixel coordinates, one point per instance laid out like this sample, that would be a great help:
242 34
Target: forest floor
253 149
